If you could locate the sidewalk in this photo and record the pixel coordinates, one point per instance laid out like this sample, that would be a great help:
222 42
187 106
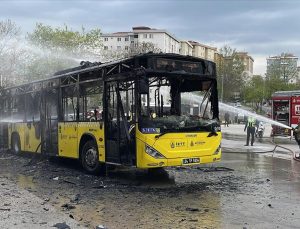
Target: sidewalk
234 139
238 130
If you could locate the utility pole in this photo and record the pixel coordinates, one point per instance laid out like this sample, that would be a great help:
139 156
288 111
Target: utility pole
222 88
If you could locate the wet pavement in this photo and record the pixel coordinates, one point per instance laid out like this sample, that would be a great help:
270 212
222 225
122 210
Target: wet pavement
248 189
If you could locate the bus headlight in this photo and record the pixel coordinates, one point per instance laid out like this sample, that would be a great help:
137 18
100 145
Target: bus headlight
153 153
218 150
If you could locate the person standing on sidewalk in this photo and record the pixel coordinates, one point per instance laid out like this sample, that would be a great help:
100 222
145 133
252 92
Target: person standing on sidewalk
226 117
250 126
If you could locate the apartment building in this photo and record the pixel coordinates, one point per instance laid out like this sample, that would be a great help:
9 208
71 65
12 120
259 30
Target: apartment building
203 51
186 48
285 65
161 39
298 75
248 62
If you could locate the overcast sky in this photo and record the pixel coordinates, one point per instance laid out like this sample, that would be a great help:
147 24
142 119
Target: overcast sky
261 27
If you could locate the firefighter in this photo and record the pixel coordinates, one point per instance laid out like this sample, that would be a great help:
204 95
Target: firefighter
250 126
297 132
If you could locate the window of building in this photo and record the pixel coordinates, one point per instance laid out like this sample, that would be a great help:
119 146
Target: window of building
119 39
106 39
132 42
105 47
126 47
145 35
150 35
136 36
126 38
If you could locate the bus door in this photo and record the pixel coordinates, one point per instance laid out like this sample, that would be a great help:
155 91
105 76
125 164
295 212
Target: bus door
117 126
49 120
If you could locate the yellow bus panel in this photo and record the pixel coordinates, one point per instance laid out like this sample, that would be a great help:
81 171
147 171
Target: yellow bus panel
71 133
197 148
32 138
68 139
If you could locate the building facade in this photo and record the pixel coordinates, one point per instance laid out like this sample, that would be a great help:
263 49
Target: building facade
203 51
283 66
161 39
247 61
186 48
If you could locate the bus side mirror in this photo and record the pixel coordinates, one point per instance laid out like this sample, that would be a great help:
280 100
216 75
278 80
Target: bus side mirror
143 85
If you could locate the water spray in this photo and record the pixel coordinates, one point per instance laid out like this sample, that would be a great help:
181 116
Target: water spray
231 109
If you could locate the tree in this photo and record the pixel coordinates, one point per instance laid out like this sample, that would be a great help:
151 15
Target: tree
255 91
58 48
282 69
259 89
229 71
11 54
273 84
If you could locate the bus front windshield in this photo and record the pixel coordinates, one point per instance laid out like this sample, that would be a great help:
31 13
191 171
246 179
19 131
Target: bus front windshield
177 105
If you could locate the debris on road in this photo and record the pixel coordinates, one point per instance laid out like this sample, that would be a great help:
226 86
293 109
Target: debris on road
68 206
62 225
192 209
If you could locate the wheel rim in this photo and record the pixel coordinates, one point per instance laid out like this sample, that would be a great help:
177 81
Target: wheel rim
91 157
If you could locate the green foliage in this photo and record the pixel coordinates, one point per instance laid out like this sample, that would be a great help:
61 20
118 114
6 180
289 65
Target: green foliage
258 89
59 48
11 55
44 36
255 91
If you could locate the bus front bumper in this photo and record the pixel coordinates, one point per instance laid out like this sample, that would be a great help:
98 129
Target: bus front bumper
150 162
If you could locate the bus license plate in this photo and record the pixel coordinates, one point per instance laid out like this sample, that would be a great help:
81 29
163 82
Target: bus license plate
190 160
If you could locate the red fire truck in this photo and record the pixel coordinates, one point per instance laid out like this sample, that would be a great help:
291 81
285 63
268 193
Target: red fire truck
286 110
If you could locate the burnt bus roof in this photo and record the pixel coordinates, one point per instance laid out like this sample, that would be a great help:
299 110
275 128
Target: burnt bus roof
286 93
134 61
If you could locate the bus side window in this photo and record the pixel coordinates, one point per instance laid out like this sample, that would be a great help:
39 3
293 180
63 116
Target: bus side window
69 95
90 102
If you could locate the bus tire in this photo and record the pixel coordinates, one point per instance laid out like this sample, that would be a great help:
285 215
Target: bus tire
90 158
15 143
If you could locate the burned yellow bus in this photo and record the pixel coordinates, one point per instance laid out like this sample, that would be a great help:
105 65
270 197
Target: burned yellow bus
148 111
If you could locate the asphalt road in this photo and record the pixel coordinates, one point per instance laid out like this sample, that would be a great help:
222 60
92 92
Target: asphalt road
250 188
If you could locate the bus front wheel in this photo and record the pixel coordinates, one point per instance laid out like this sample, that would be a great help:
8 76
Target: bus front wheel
15 144
90 158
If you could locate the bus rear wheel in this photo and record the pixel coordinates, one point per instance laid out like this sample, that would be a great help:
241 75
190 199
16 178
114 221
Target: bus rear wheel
90 158
15 144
